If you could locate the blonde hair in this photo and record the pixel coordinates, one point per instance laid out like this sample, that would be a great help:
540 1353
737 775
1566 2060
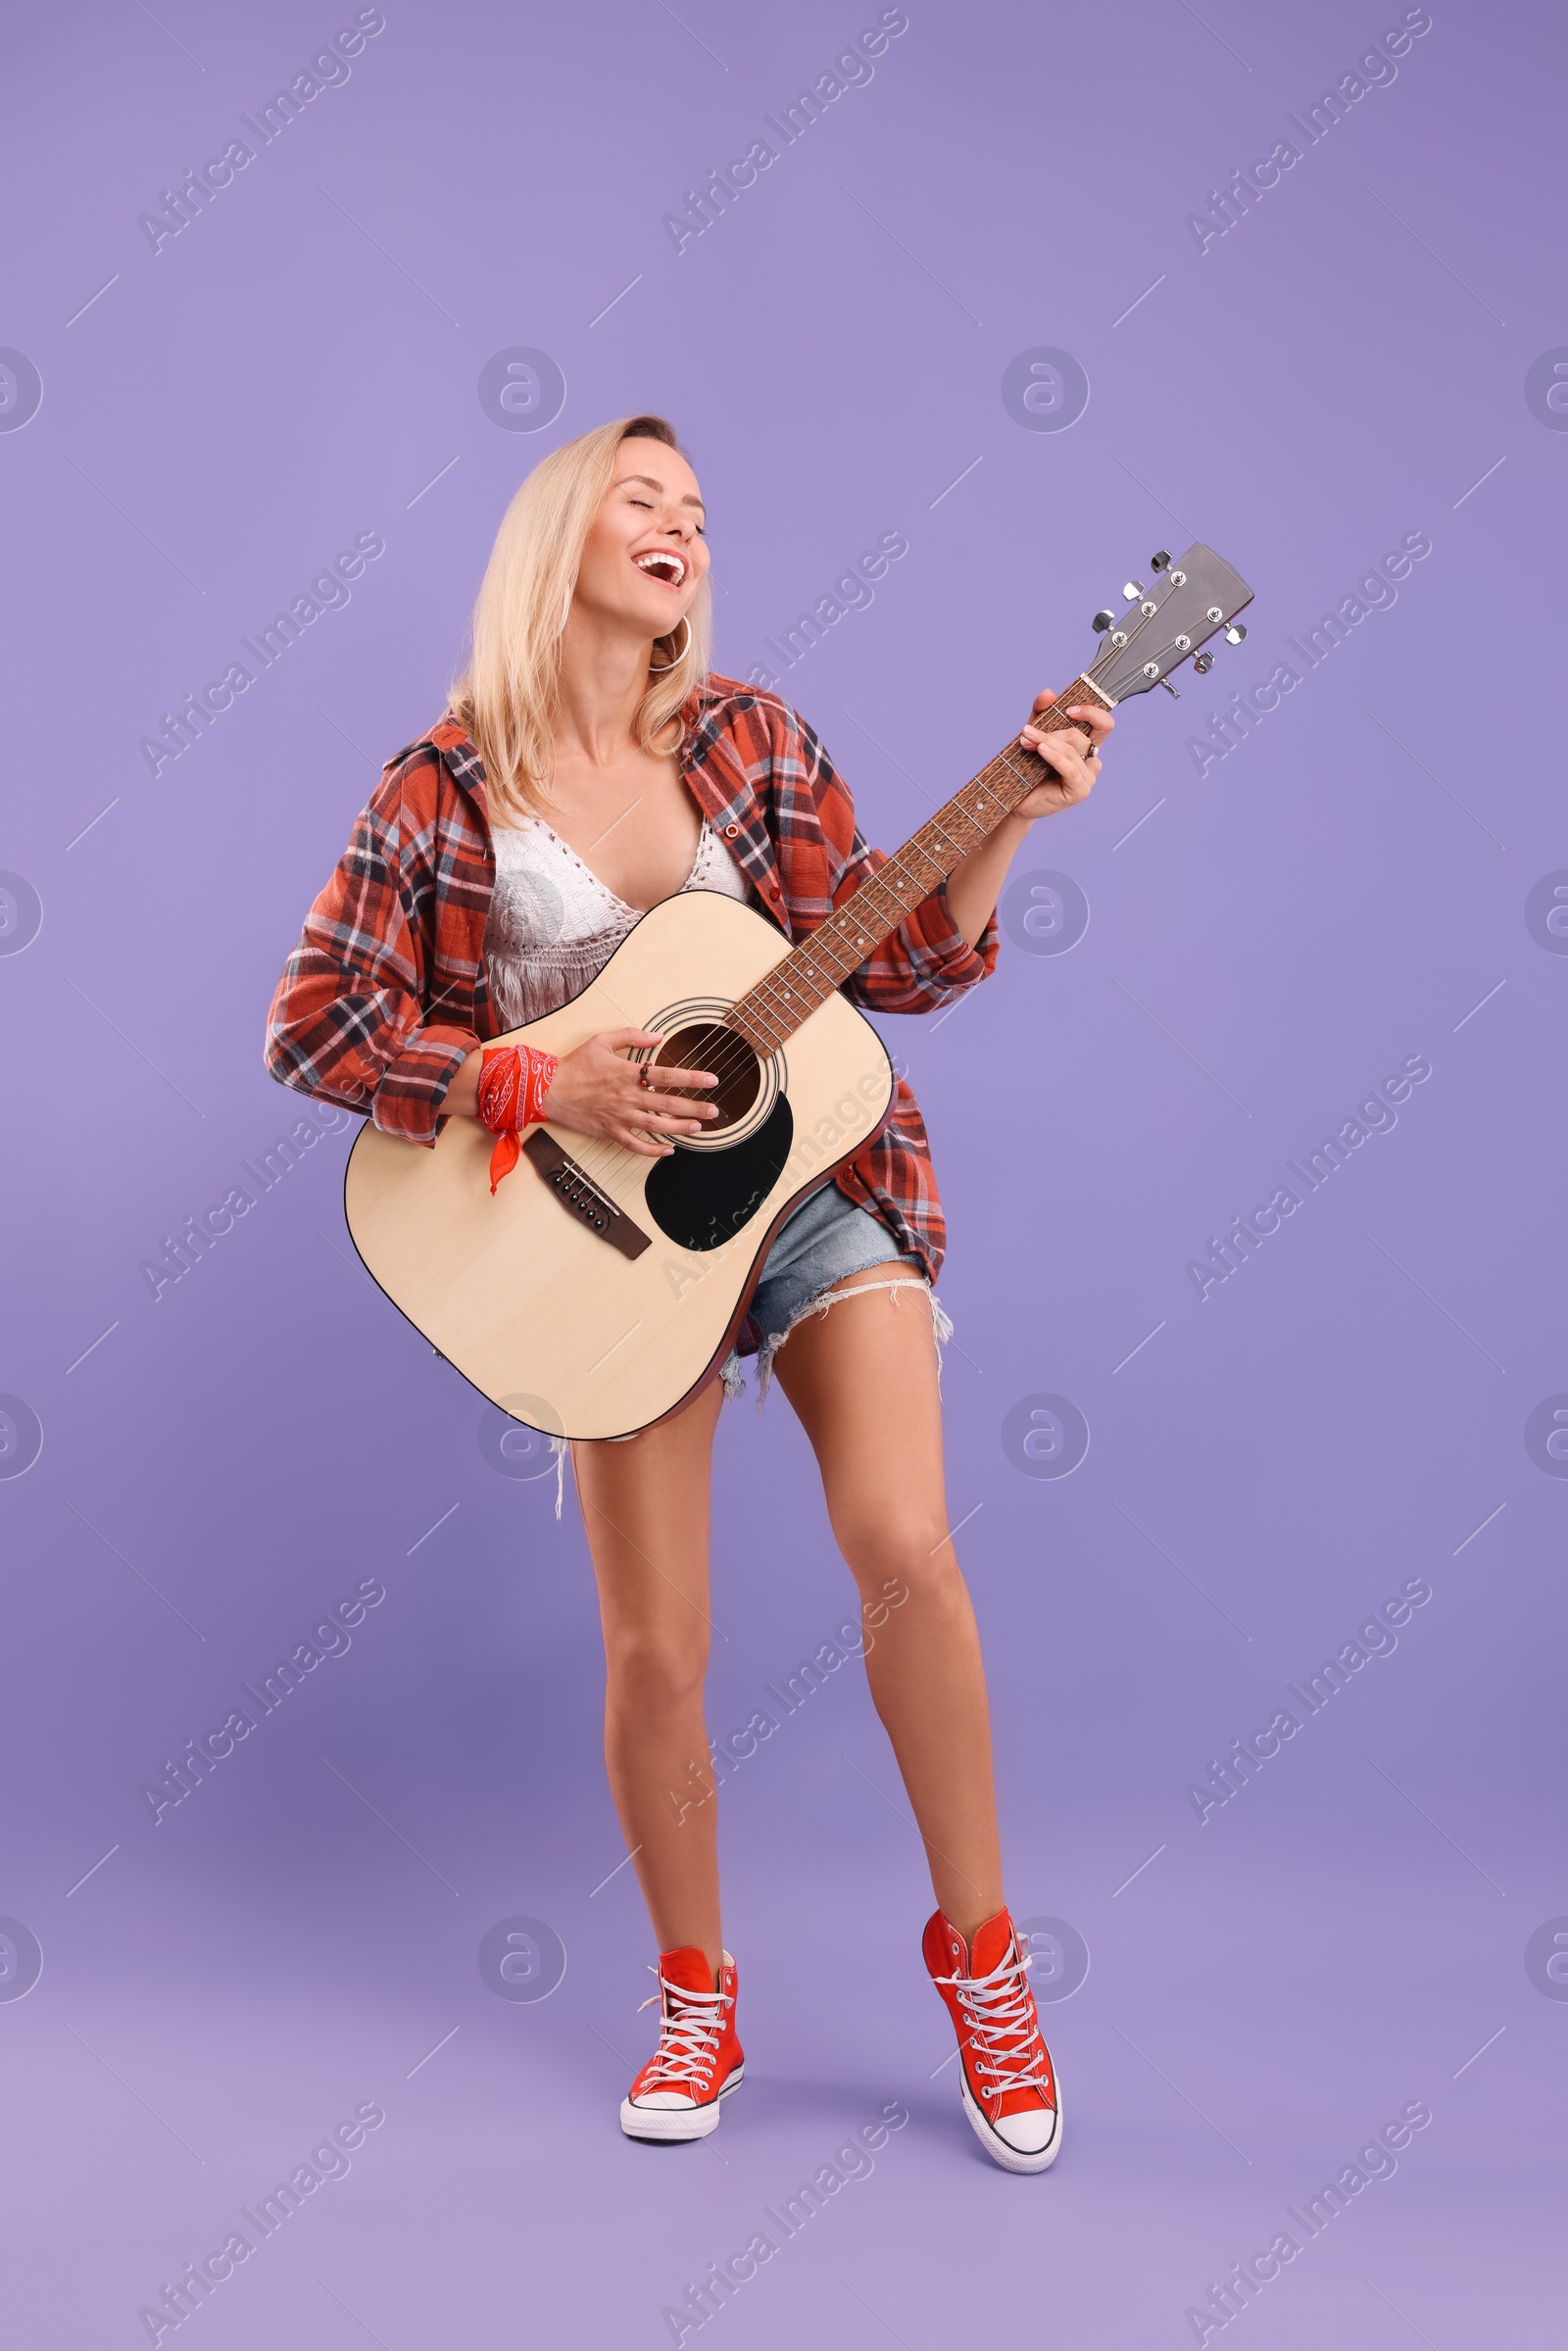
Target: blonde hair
507 698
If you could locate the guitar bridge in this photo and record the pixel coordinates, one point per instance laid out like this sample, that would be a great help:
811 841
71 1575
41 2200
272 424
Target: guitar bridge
577 1192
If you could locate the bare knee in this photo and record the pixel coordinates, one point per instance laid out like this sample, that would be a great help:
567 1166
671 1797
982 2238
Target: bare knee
656 1672
899 1556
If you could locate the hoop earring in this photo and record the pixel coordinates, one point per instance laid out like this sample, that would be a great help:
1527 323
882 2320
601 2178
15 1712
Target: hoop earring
657 669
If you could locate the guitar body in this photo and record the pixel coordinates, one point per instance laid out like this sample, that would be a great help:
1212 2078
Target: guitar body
593 1308
597 1289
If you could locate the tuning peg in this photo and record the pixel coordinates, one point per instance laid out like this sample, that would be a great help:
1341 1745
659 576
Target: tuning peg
1235 633
1158 563
1204 663
1132 590
1102 621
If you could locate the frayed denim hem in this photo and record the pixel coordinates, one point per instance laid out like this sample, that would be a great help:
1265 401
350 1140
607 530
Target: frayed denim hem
732 1373
941 1325
557 1445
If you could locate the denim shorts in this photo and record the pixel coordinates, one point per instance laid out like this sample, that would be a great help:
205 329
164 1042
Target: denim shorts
825 1238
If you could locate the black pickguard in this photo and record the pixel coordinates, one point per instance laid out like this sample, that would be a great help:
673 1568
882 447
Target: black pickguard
701 1199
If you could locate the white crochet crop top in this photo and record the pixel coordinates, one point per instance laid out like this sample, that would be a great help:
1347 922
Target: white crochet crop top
554 924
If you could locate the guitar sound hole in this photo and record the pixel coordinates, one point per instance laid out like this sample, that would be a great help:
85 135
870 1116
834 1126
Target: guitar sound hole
727 1055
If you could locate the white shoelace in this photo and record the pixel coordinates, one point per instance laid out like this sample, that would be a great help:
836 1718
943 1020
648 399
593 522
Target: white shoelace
998 2009
688 2031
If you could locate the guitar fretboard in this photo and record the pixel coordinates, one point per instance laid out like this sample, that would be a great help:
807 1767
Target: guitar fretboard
792 991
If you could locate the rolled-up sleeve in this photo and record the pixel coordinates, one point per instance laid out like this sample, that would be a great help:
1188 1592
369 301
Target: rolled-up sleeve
349 1021
927 961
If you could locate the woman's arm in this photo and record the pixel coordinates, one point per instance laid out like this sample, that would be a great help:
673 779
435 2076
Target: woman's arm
922 966
349 1020
975 884
462 1094
949 943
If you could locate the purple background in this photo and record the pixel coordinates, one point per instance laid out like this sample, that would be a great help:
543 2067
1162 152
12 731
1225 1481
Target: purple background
1347 365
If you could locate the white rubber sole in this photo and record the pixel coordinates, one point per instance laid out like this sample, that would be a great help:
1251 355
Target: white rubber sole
674 2123
998 2148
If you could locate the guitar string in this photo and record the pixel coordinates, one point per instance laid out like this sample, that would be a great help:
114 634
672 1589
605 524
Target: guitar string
599 1167
836 924
729 1062
737 1056
732 1061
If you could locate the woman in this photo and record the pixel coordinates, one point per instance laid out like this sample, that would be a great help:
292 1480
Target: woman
589 766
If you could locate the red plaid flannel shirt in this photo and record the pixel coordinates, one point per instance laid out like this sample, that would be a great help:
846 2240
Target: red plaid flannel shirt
385 993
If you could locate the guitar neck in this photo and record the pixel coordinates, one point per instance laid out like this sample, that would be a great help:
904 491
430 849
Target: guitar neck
792 991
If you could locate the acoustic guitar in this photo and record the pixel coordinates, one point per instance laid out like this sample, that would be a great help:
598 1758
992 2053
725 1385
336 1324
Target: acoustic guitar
596 1291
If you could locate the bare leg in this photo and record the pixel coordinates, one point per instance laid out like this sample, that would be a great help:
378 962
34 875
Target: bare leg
863 1378
646 1507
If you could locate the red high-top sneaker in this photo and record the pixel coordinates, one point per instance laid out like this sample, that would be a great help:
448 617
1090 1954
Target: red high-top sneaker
1008 2084
699 2060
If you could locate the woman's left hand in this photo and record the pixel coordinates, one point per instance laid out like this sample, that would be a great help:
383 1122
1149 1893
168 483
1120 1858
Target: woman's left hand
1073 752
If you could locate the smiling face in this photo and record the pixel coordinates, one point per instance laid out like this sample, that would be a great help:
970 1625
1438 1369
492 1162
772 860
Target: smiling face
644 557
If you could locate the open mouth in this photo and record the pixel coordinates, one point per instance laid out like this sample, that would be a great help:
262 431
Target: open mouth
663 563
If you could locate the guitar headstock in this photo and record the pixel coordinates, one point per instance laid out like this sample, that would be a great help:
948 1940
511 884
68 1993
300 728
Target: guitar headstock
1166 623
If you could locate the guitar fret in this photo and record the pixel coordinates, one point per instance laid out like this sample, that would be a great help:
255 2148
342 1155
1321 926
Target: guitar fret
769 1014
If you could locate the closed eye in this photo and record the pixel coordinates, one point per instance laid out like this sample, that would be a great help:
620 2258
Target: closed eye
701 528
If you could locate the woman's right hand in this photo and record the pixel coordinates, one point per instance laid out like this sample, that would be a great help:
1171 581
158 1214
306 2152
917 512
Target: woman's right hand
596 1090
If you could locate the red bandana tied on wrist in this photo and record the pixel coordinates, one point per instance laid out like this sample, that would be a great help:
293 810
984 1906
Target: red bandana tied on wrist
513 1080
